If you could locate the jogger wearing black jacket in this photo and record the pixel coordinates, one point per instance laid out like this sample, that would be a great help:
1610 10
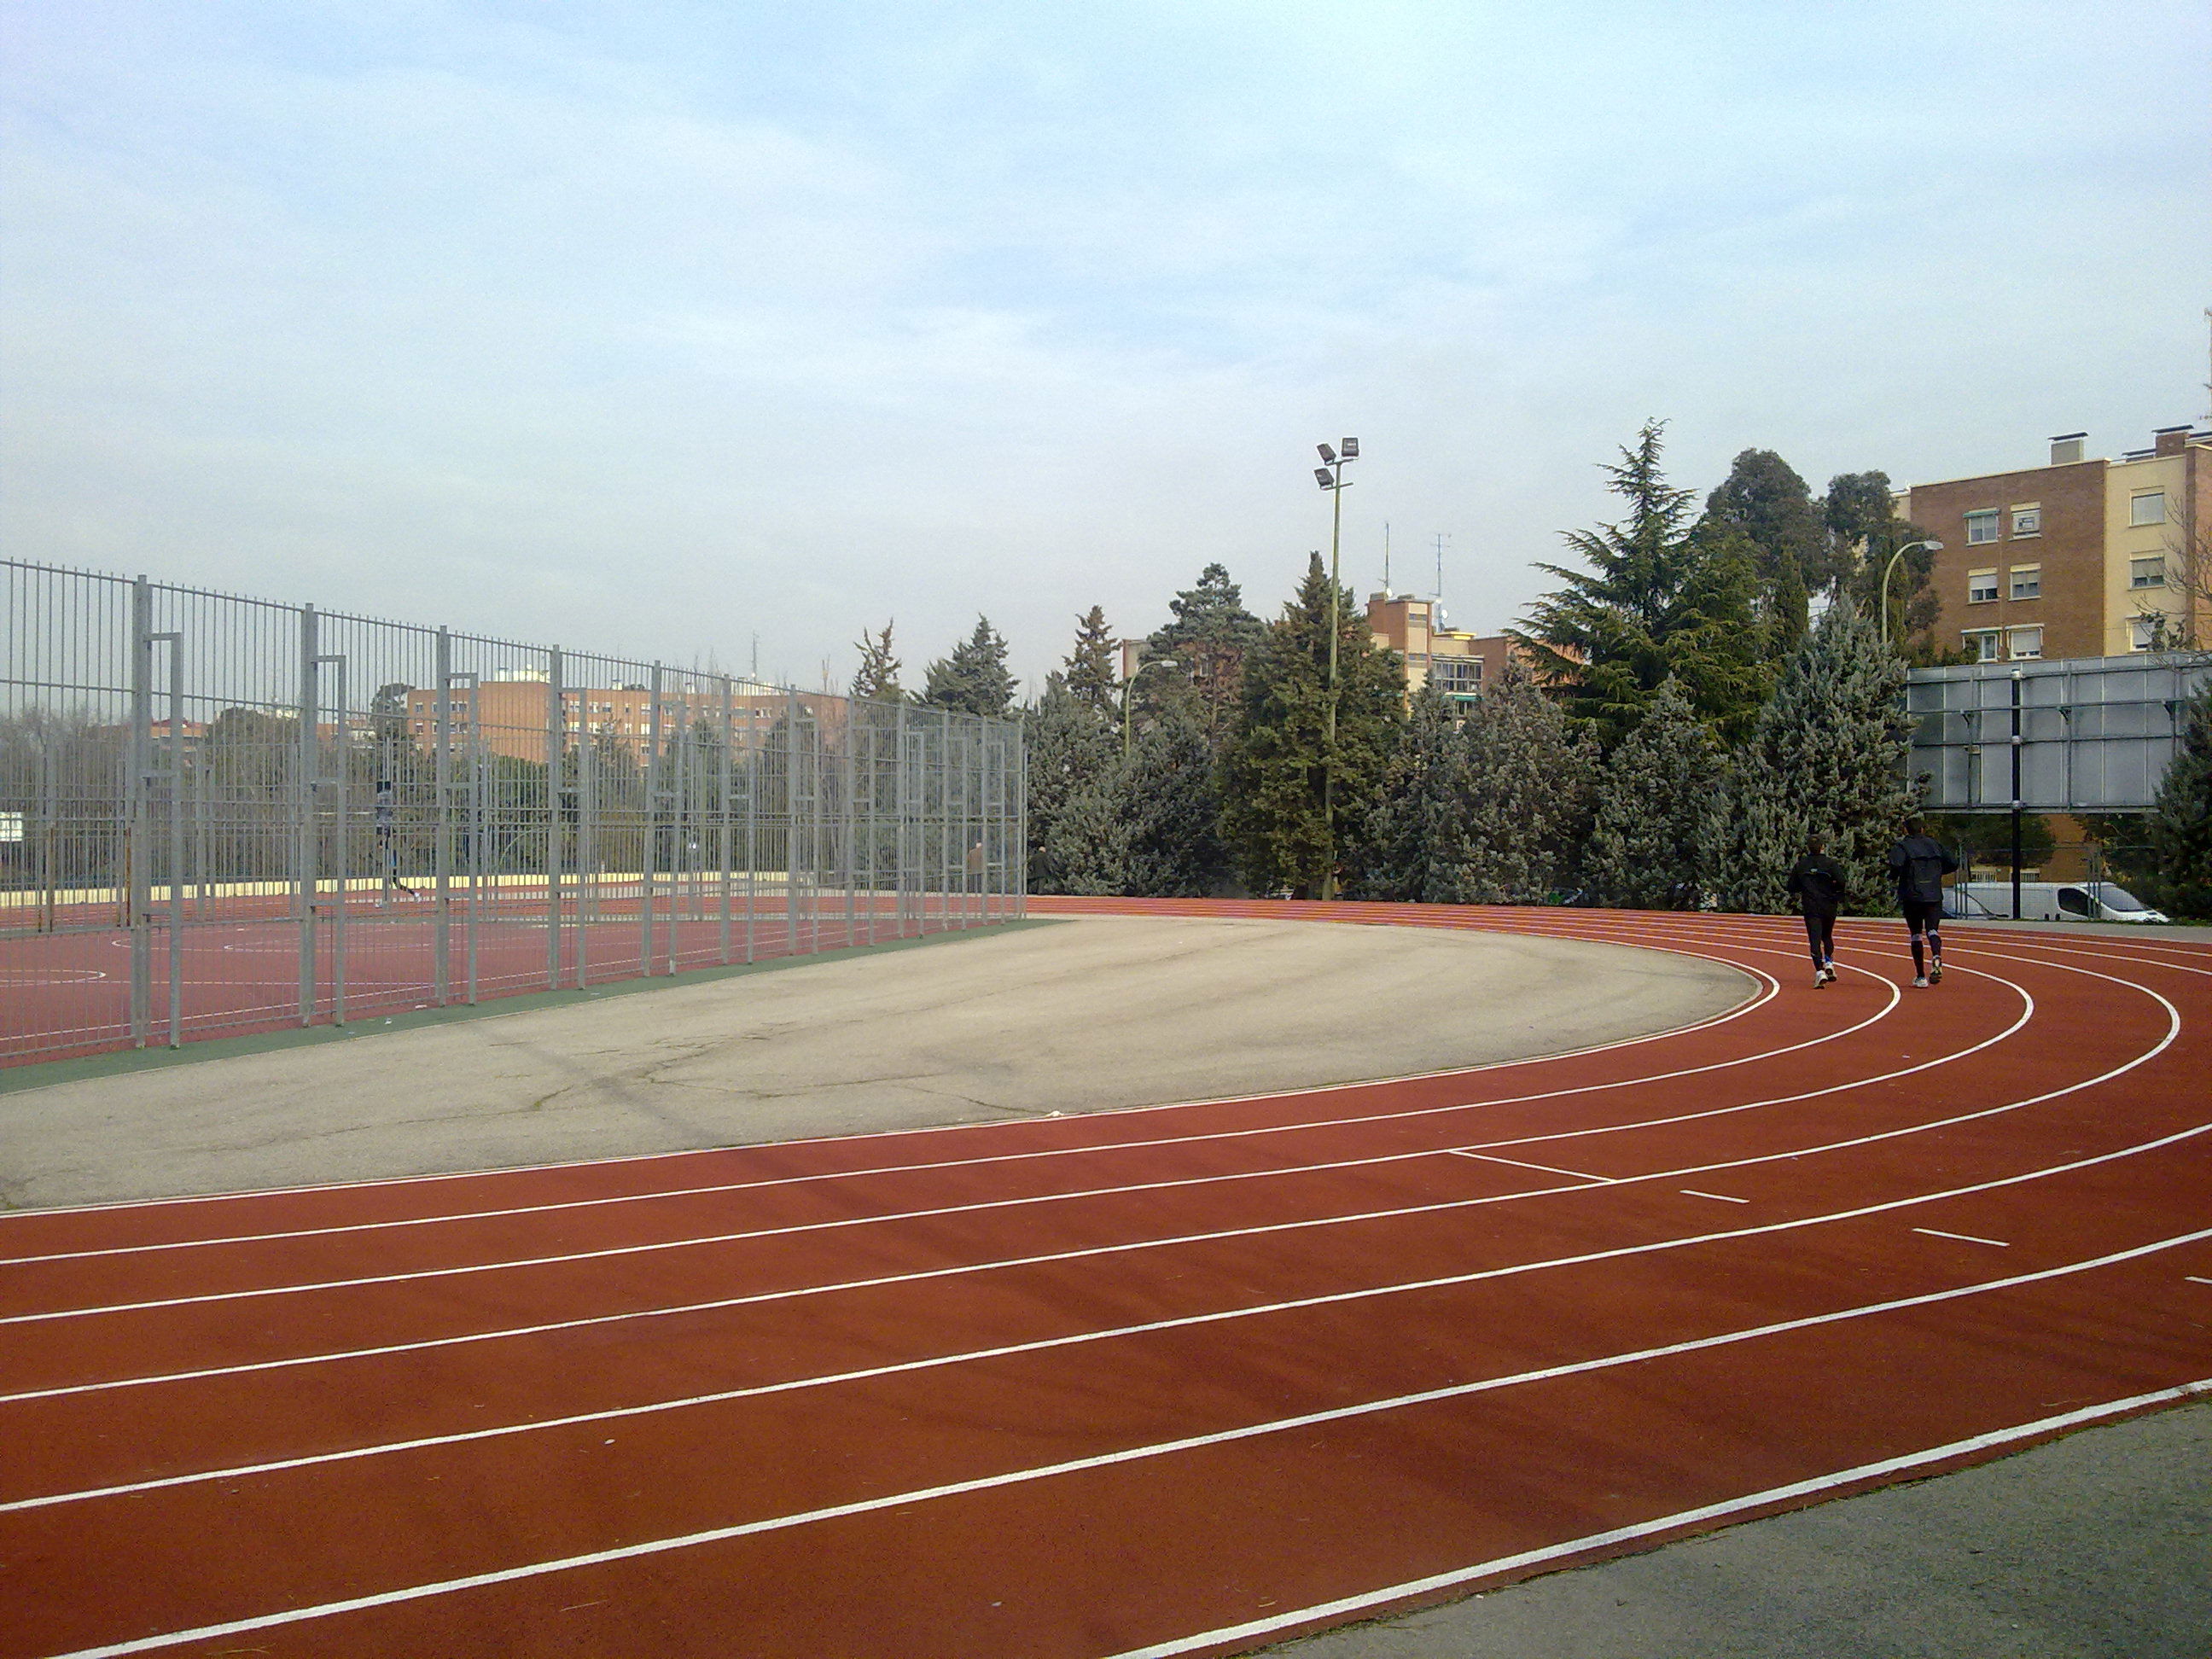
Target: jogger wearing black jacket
1919 862
1818 884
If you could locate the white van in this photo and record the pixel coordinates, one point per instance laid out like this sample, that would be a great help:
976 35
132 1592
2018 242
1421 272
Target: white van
2048 900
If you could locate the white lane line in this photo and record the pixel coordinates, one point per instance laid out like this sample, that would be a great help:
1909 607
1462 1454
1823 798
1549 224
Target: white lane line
2027 1013
1078 1338
2194 1279
2173 1030
1692 1192
1964 1238
1169 1448
1370 1600
1635 939
1547 1169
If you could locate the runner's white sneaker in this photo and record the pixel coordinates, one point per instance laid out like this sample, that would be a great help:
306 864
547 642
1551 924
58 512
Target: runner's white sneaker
1922 981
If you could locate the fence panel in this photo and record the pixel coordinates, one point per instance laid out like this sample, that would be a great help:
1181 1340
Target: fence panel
220 814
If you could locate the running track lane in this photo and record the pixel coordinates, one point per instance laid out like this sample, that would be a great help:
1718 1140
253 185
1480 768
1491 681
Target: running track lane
1178 1380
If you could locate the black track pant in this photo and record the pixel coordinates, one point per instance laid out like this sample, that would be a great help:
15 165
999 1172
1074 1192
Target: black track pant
1820 934
1924 916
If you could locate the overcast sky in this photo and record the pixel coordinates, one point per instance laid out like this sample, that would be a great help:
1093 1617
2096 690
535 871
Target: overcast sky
651 327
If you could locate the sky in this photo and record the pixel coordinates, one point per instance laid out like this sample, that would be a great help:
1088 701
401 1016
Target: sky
663 328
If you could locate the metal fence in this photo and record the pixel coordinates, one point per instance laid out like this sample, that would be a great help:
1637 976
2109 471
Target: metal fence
219 813
2085 734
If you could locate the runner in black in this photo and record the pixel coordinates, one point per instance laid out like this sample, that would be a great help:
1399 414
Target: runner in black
385 816
1818 881
1919 862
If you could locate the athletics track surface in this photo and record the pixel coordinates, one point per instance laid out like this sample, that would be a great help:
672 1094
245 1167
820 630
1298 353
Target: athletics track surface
1176 1380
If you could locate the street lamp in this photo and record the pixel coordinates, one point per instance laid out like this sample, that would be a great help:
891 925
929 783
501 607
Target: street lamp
1931 542
1330 476
1129 685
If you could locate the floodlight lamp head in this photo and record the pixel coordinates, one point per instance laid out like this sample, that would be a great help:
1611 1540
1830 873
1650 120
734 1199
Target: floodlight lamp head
1327 454
1322 477
1352 449
1935 546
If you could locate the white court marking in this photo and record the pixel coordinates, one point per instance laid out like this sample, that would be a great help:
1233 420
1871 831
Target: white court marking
1718 1198
1964 1238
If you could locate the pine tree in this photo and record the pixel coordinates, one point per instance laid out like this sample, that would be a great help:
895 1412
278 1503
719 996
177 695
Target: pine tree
877 679
1528 788
974 678
1651 847
1416 837
1090 669
1603 637
1717 652
1072 752
2179 826
1272 774
1208 642
1169 802
1828 757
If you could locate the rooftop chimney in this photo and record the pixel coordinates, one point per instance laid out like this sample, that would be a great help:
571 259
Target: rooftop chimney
2169 440
2067 447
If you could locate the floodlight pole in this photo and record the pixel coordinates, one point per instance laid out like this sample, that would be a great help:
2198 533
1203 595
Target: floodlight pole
1331 478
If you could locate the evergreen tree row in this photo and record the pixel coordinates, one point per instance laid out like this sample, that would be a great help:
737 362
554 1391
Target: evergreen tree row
1703 693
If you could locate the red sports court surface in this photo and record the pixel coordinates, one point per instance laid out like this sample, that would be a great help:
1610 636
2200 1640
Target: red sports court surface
1186 1379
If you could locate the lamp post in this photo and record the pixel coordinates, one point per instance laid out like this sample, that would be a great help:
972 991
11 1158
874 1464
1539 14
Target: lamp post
1330 476
1908 548
1129 686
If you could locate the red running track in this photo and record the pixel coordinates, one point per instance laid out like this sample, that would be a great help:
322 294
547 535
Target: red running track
1180 1380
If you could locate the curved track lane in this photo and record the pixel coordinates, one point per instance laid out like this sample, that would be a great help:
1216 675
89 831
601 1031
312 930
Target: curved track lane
1180 1379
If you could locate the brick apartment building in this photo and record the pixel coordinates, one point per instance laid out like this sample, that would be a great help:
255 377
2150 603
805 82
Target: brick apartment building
2084 557
513 713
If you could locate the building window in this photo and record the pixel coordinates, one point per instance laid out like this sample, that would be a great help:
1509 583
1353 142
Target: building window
2025 642
1981 643
2027 581
1456 677
2147 572
2027 522
2144 631
2149 507
1983 527
1981 586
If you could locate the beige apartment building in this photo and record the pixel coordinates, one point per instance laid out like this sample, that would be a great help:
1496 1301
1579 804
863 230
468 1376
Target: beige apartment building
1457 663
2084 557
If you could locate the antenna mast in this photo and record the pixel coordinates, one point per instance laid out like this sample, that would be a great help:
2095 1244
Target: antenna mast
1441 539
1386 555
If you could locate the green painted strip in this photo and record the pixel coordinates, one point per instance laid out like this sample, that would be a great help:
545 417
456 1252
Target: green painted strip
122 1062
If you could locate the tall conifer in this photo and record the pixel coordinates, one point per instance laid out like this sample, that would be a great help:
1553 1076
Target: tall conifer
1091 676
1651 847
2179 827
1529 781
1827 757
1272 774
974 678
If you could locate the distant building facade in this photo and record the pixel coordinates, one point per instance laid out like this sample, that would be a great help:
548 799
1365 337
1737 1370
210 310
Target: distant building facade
1457 663
2083 557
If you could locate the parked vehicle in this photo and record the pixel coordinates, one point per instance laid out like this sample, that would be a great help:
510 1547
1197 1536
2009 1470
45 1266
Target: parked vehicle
2048 900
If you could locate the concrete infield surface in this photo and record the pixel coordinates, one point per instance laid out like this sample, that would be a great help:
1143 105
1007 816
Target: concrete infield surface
1067 1017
